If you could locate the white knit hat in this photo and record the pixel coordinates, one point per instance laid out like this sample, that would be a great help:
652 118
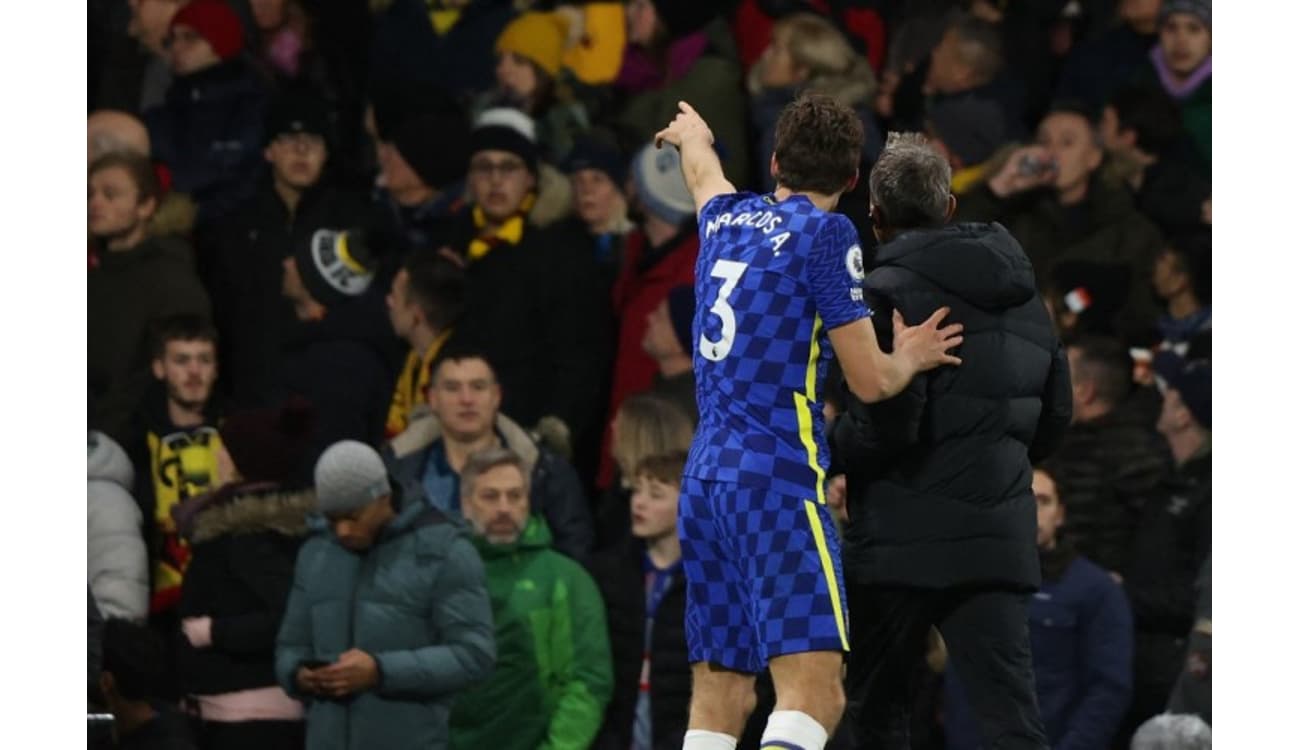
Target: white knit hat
661 185
349 475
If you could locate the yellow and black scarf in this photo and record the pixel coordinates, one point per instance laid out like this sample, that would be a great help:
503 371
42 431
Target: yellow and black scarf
510 232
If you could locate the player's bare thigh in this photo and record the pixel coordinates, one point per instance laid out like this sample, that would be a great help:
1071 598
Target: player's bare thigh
721 699
811 682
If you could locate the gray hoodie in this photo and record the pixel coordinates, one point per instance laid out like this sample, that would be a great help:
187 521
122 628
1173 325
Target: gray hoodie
116 561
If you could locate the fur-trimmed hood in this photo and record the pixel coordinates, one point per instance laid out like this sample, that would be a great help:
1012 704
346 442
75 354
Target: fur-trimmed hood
254 509
424 428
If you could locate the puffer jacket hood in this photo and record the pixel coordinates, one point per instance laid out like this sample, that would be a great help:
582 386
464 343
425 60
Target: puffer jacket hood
107 461
980 263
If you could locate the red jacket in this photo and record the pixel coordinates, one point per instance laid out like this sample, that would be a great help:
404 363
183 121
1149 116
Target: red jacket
637 292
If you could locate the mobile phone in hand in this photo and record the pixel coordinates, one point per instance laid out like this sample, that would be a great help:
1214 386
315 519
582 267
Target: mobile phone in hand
314 663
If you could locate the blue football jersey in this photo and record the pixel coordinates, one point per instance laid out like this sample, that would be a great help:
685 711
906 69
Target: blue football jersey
772 278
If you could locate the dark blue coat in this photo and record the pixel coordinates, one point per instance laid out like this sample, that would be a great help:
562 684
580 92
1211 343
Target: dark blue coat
208 131
1081 636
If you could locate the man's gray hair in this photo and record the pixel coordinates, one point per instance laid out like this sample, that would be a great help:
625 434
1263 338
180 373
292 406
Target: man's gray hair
1172 732
911 183
484 461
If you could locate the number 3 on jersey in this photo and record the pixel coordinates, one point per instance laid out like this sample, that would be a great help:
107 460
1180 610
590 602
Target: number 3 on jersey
729 271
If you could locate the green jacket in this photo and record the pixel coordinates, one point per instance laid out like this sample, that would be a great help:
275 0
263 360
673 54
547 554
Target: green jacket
553 675
417 603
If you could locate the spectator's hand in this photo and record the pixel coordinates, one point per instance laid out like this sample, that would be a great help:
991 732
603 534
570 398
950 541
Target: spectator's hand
1205 211
685 126
1011 180
926 346
309 681
354 672
198 631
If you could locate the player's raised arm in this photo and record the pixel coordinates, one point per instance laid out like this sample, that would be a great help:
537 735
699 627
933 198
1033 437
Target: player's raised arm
700 165
872 374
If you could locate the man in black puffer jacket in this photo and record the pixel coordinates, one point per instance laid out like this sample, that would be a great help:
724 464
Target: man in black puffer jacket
942 519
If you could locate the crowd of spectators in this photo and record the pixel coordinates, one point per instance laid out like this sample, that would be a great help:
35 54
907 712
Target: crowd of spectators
389 376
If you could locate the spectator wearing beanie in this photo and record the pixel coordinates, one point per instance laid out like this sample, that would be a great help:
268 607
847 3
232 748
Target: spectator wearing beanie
375 675
1180 63
597 172
208 130
679 50
528 301
660 255
244 538
337 350
297 195
530 75
421 184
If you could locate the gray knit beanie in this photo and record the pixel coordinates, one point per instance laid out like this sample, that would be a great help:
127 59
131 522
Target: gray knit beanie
349 475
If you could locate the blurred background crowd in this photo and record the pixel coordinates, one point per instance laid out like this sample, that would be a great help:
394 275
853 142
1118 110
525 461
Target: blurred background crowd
439 227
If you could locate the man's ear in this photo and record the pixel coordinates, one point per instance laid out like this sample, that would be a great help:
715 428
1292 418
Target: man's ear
877 216
772 167
853 181
157 366
952 208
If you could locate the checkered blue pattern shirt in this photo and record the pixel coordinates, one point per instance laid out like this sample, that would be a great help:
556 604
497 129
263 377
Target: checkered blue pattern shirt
772 278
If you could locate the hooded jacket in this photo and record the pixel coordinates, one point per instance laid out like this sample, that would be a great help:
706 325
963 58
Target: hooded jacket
939 476
116 563
119 313
243 546
416 602
553 675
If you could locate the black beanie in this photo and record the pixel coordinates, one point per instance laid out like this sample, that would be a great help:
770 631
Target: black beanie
504 138
269 445
335 265
299 110
600 154
436 146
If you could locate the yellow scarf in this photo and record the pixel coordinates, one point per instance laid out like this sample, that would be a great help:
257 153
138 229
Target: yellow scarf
510 232
411 386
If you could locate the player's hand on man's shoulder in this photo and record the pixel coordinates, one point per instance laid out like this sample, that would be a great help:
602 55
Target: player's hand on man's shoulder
927 346
686 125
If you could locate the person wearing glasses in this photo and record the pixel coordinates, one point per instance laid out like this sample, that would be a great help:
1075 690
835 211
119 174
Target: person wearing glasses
526 306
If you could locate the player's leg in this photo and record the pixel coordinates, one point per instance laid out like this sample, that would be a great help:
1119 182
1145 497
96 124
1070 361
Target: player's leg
792 556
721 702
719 624
987 635
889 639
